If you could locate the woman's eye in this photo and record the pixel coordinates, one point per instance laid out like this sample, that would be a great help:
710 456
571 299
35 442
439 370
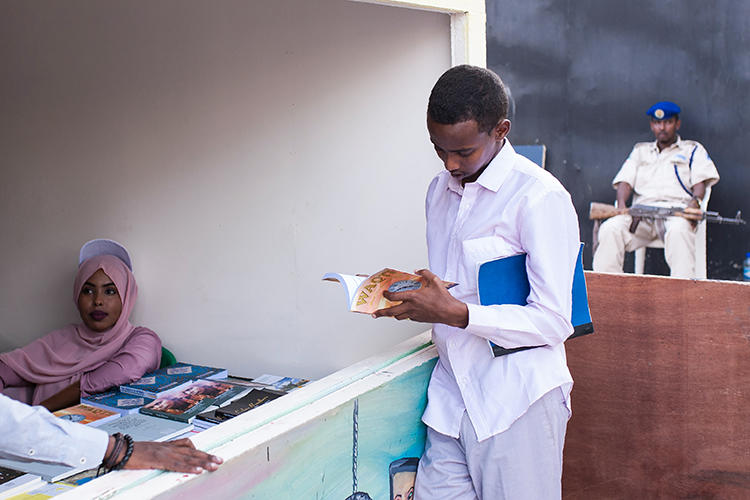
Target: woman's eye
111 291
87 291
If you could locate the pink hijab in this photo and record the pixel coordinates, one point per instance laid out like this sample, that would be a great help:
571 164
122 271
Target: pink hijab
58 359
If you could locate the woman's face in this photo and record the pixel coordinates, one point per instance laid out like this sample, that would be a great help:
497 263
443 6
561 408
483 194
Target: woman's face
99 302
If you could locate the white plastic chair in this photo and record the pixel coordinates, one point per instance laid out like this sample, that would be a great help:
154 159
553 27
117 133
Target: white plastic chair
700 246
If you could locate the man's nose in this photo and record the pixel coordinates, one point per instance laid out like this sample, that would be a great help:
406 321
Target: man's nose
452 163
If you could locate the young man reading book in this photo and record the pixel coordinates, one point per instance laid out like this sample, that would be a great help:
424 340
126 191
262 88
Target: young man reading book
496 425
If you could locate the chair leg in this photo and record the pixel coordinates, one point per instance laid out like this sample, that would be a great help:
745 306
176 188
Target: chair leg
639 260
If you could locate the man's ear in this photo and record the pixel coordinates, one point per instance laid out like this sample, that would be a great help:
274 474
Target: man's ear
501 129
677 124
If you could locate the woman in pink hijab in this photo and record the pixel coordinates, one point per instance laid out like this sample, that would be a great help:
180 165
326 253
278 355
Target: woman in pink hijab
105 350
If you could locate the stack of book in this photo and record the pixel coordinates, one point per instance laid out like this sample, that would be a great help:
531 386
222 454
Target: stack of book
253 399
14 482
188 402
278 383
87 414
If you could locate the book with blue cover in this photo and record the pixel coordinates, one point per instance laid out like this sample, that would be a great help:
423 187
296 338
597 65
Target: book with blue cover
171 379
115 400
505 281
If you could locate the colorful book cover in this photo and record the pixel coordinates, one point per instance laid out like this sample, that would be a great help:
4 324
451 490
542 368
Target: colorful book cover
217 391
185 404
364 294
118 401
253 399
288 384
86 414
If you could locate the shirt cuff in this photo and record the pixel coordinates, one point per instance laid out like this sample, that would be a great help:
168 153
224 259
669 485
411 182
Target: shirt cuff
90 446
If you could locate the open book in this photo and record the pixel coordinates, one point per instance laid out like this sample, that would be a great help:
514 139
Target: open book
364 294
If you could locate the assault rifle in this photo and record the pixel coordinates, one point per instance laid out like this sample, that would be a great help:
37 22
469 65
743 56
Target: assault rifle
603 211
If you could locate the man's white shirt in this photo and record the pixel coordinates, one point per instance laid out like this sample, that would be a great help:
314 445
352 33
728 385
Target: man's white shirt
513 207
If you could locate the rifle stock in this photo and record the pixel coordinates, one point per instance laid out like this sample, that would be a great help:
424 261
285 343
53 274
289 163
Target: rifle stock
602 211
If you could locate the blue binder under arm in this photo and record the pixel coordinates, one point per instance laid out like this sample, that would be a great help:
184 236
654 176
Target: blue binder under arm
505 281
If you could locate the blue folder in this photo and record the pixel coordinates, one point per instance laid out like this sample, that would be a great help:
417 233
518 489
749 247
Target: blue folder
505 281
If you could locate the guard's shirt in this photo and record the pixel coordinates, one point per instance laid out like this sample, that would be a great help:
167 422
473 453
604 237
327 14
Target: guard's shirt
514 207
651 172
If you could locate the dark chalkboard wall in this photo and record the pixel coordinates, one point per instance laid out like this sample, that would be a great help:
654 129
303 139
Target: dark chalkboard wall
583 72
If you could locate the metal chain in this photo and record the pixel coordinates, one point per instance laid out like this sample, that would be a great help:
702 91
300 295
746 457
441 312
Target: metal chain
355 430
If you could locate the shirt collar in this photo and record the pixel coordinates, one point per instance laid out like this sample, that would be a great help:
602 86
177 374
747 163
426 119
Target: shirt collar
676 144
495 173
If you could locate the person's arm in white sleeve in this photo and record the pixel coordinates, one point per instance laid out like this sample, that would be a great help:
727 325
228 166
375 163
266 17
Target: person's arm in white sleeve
32 433
549 235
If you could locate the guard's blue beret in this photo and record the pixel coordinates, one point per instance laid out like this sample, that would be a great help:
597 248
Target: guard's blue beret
663 110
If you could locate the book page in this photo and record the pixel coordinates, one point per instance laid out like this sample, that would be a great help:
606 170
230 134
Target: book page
350 282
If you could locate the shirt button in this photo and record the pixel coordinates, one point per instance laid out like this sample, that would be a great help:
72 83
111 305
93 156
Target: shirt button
83 460
32 452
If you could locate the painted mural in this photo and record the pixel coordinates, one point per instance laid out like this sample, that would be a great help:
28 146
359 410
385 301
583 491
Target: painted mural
361 450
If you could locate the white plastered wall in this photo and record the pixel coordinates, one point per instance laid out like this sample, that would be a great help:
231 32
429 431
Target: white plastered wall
240 149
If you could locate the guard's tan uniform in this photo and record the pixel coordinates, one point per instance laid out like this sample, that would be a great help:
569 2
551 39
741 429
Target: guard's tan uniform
651 173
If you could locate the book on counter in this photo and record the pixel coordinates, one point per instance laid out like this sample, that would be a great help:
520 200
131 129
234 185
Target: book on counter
185 404
279 383
208 419
171 379
117 401
14 482
86 414
253 399
146 428
364 294
48 472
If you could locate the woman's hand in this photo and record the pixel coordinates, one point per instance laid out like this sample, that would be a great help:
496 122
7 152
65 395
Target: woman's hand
177 456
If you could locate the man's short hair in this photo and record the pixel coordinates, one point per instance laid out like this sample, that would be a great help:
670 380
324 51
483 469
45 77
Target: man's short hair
466 93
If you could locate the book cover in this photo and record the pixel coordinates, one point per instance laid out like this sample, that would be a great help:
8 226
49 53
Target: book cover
253 399
170 379
208 419
505 281
216 391
14 482
117 401
85 414
153 386
146 428
185 404
288 384
364 294
194 372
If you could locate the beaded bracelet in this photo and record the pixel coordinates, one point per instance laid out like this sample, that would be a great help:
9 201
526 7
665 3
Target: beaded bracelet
128 453
110 460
